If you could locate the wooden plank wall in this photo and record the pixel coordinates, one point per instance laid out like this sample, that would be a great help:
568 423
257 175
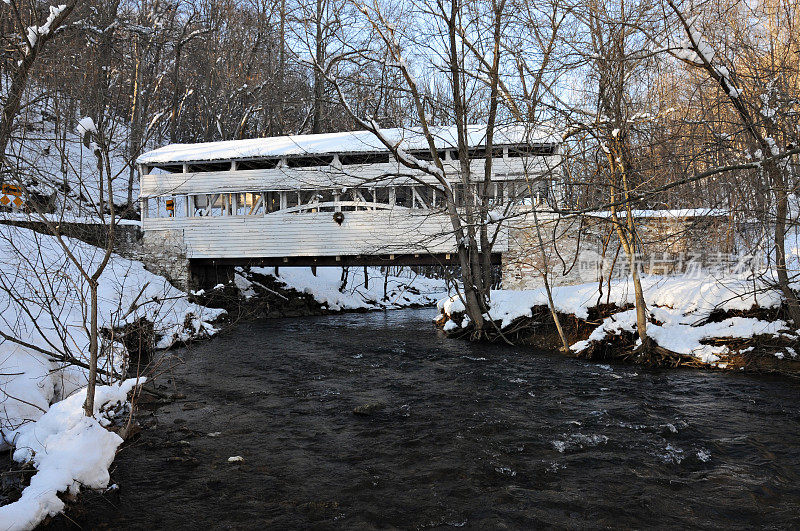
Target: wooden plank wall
315 234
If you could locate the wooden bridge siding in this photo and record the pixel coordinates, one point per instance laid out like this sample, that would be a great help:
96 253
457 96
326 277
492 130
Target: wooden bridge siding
321 177
314 234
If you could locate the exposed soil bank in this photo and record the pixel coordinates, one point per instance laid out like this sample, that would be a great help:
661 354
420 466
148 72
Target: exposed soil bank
757 354
267 297
374 421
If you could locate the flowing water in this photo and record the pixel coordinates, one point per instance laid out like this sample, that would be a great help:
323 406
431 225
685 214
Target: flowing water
455 434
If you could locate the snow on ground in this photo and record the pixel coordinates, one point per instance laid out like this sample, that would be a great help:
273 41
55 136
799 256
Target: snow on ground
53 158
407 289
679 303
43 304
676 332
696 296
69 450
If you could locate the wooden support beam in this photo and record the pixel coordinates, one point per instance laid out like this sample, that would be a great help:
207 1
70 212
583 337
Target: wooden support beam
345 260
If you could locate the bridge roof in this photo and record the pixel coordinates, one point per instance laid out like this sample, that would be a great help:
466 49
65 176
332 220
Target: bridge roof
344 142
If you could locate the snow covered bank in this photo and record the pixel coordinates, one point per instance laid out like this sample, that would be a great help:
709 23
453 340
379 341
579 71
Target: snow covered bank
401 291
44 314
69 450
676 332
43 320
44 300
679 307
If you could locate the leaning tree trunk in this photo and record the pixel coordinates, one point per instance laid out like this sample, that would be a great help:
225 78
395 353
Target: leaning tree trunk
781 213
546 281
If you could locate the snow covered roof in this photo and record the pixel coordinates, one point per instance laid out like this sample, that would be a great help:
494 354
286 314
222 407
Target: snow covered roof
674 213
344 142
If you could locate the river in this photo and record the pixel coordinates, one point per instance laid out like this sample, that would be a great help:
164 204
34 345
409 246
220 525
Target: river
452 434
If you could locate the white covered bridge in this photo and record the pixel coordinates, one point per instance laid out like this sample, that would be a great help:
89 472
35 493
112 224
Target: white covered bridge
328 199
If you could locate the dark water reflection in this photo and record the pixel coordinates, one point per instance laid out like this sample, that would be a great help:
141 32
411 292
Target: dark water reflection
460 435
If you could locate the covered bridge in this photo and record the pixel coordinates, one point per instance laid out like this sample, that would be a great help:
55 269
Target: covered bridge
327 199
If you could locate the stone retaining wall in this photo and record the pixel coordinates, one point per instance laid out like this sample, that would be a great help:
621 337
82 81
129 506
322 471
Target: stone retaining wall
127 237
578 249
164 253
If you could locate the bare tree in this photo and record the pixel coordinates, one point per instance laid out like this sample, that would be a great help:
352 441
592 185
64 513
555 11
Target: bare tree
765 127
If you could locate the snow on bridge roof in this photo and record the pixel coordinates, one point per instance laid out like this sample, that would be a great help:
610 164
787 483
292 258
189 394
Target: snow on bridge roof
344 142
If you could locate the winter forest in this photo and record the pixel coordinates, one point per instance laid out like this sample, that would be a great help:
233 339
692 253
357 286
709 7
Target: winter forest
399 263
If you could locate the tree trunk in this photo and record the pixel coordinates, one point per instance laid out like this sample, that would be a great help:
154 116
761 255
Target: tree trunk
88 405
781 212
319 79
546 280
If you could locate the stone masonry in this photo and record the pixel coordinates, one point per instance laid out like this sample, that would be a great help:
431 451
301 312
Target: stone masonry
577 249
164 253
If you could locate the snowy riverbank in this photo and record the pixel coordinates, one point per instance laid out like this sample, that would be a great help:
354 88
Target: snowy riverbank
44 351
706 319
298 291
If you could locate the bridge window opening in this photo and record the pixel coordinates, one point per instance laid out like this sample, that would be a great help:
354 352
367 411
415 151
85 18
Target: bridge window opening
422 197
525 150
215 206
271 202
364 158
459 195
518 151
540 189
425 154
244 204
403 196
306 162
359 195
308 198
167 168
164 207
354 199
157 211
209 166
327 197
476 153
517 191
176 206
542 149
525 193
496 197
381 195
418 197
238 204
292 199
203 204
260 164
